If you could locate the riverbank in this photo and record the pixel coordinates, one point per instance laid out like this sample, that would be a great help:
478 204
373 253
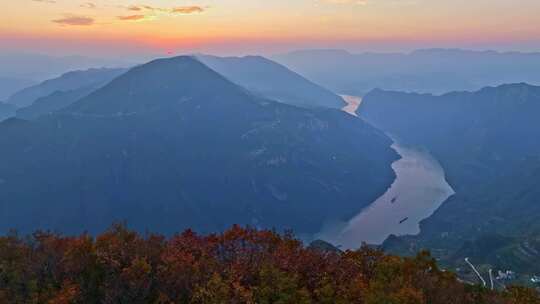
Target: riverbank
418 191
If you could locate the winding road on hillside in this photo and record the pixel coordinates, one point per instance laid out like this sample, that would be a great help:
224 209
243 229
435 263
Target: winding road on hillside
476 271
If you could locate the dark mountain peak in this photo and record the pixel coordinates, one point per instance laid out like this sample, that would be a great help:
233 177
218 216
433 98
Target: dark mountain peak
173 144
158 83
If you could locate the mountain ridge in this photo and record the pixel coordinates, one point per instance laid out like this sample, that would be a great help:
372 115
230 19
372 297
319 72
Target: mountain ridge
272 80
425 71
486 141
200 152
94 77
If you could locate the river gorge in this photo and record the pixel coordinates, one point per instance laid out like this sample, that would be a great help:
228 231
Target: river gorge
419 190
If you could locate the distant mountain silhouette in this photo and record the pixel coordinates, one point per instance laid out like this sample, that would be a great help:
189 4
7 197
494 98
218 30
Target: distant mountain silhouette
6 110
67 82
54 102
172 144
272 80
257 74
39 67
425 71
487 142
9 86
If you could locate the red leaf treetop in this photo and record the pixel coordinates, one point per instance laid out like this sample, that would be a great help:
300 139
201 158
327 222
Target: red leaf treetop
241 265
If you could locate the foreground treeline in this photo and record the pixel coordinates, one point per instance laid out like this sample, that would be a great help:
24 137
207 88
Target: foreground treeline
238 266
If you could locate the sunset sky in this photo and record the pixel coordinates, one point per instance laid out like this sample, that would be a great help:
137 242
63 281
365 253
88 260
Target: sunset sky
263 26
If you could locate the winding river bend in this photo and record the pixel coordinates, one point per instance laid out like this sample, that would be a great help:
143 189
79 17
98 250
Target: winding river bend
419 190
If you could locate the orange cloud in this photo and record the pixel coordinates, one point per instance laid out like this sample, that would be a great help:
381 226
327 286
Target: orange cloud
134 8
175 10
187 10
131 17
75 20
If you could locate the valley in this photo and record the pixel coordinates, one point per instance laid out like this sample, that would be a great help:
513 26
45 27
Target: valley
419 190
146 147
270 152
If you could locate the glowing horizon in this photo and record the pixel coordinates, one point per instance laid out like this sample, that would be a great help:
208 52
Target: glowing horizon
231 25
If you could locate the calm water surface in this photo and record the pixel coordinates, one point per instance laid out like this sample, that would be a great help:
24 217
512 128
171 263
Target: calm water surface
419 189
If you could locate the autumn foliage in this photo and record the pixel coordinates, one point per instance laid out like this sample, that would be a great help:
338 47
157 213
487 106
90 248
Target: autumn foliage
238 266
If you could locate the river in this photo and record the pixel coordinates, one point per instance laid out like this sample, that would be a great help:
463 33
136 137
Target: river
419 190
353 102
